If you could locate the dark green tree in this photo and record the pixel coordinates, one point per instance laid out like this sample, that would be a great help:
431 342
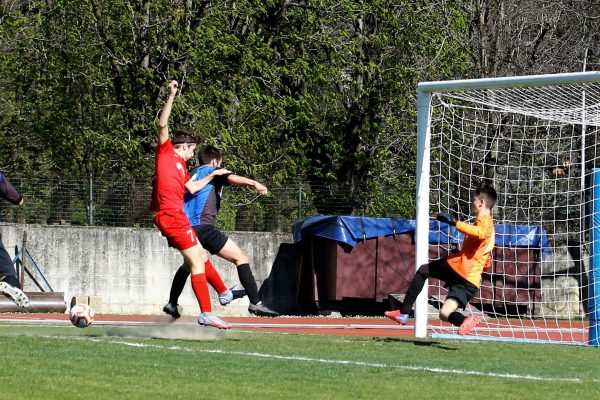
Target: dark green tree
319 92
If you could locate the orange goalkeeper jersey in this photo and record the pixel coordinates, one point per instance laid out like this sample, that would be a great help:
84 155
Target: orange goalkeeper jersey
476 253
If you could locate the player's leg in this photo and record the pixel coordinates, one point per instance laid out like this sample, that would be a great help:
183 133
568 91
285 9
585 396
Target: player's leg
231 252
216 242
212 276
459 295
9 283
170 226
192 260
214 279
416 285
210 240
179 280
448 312
175 226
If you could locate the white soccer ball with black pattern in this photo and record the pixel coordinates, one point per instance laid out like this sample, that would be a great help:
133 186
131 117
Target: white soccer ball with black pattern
81 315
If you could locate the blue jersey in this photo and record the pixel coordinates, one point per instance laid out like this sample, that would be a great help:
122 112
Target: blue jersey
202 207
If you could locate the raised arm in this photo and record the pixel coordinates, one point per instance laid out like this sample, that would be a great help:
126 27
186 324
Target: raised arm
243 181
163 122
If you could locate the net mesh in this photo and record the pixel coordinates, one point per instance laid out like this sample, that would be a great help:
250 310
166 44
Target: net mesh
537 147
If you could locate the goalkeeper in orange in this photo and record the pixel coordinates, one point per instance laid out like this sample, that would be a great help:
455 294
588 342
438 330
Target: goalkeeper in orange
462 270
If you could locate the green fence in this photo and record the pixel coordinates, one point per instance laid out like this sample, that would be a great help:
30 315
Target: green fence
95 201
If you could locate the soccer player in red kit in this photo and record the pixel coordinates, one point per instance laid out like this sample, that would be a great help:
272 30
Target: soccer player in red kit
171 182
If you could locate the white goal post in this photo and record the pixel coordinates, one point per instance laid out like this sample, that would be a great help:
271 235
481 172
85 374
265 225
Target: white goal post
534 138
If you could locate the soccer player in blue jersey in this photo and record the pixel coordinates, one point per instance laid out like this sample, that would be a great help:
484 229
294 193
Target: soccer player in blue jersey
201 209
9 283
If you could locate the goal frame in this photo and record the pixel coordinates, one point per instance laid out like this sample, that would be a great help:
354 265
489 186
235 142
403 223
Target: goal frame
425 90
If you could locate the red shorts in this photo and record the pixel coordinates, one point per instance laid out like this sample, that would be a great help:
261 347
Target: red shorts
175 226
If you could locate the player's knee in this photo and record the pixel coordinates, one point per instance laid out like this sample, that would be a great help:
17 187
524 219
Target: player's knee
444 315
235 255
241 259
424 270
203 255
197 268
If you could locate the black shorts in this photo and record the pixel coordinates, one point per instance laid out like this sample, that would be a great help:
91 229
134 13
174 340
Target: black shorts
459 288
211 238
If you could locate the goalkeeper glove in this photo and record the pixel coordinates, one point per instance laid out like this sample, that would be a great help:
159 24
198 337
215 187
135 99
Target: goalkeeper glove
446 218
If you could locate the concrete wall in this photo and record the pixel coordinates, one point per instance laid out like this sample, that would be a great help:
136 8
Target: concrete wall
131 269
565 282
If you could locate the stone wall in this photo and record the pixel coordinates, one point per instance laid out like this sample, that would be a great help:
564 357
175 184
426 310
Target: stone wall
564 282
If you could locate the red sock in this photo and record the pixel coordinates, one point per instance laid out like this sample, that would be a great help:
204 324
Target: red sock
200 287
213 277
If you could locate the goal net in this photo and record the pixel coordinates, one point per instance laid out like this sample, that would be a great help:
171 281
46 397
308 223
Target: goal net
535 140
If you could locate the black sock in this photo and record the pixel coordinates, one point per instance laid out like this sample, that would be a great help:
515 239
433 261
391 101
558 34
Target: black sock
248 282
456 318
414 289
178 284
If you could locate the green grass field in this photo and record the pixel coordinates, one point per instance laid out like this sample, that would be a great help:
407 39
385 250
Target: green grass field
103 362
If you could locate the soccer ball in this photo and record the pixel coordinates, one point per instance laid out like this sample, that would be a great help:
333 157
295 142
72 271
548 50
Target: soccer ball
81 315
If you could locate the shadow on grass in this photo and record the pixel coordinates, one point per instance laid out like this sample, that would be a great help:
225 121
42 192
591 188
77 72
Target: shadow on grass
423 343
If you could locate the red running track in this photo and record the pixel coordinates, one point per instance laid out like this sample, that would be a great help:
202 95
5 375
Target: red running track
375 327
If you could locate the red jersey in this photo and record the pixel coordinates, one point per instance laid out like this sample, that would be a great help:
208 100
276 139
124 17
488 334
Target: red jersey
171 176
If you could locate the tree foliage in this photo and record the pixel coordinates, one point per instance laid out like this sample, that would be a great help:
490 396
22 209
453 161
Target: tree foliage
319 91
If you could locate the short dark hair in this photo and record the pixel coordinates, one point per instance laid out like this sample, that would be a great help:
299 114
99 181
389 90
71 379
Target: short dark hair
488 192
182 136
208 153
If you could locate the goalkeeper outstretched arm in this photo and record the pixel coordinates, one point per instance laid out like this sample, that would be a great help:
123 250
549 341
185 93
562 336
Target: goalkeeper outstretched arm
446 218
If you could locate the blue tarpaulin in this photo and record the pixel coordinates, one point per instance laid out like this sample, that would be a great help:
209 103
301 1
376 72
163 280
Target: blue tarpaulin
348 230
522 236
